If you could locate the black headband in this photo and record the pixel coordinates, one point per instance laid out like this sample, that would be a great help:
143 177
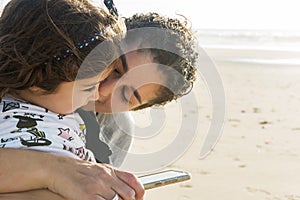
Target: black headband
111 7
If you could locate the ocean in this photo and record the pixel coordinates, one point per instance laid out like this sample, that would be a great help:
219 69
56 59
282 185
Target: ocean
280 47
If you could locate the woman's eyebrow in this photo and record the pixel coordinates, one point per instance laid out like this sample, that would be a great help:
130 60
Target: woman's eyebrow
137 95
124 62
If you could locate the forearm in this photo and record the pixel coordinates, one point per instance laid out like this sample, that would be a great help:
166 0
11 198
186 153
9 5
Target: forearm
32 195
22 170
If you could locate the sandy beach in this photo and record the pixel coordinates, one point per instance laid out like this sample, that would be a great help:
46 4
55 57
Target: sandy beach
258 153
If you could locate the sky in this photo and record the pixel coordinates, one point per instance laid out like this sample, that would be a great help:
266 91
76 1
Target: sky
221 14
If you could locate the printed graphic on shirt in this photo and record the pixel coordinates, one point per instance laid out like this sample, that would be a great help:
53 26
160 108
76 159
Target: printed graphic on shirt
80 152
28 124
60 116
81 134
64 133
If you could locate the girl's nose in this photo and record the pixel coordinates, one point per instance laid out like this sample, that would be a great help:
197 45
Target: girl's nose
106 87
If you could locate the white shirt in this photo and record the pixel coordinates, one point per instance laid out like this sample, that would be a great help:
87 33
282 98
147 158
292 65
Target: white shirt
27 126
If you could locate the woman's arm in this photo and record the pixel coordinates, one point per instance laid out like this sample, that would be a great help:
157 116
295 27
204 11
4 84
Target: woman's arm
23 170
32 195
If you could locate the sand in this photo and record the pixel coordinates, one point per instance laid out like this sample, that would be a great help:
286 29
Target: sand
258 153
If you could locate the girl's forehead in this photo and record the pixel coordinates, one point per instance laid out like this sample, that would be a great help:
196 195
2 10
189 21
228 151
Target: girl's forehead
88 81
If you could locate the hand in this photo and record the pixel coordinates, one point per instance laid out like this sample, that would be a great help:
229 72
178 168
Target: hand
78 180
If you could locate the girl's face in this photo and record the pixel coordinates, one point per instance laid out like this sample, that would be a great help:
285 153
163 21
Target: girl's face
133 81
68 97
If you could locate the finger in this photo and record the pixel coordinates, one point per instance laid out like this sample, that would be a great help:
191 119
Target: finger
132 181
100 198
116 197
124 191
107 193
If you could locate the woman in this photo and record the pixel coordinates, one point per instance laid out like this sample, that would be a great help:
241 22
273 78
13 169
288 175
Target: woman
164 42
119 91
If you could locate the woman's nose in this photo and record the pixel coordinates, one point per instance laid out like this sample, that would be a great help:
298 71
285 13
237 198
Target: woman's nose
95 95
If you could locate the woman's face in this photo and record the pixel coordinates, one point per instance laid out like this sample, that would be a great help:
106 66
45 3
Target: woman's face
133 81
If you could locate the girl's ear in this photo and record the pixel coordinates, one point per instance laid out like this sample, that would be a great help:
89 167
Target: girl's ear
36 89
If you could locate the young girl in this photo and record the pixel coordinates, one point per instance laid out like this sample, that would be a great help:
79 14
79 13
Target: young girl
42 46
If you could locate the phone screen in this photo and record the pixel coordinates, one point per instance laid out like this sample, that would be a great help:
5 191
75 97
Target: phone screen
164 178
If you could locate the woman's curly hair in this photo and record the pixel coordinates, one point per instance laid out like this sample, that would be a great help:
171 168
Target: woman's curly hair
32 32
177 49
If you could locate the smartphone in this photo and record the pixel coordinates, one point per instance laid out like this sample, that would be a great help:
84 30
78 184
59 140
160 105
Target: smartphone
163 178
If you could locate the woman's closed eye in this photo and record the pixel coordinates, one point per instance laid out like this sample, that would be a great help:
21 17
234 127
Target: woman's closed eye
123 95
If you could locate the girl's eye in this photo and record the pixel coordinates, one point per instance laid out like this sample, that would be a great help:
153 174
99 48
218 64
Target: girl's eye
90 89
117 71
